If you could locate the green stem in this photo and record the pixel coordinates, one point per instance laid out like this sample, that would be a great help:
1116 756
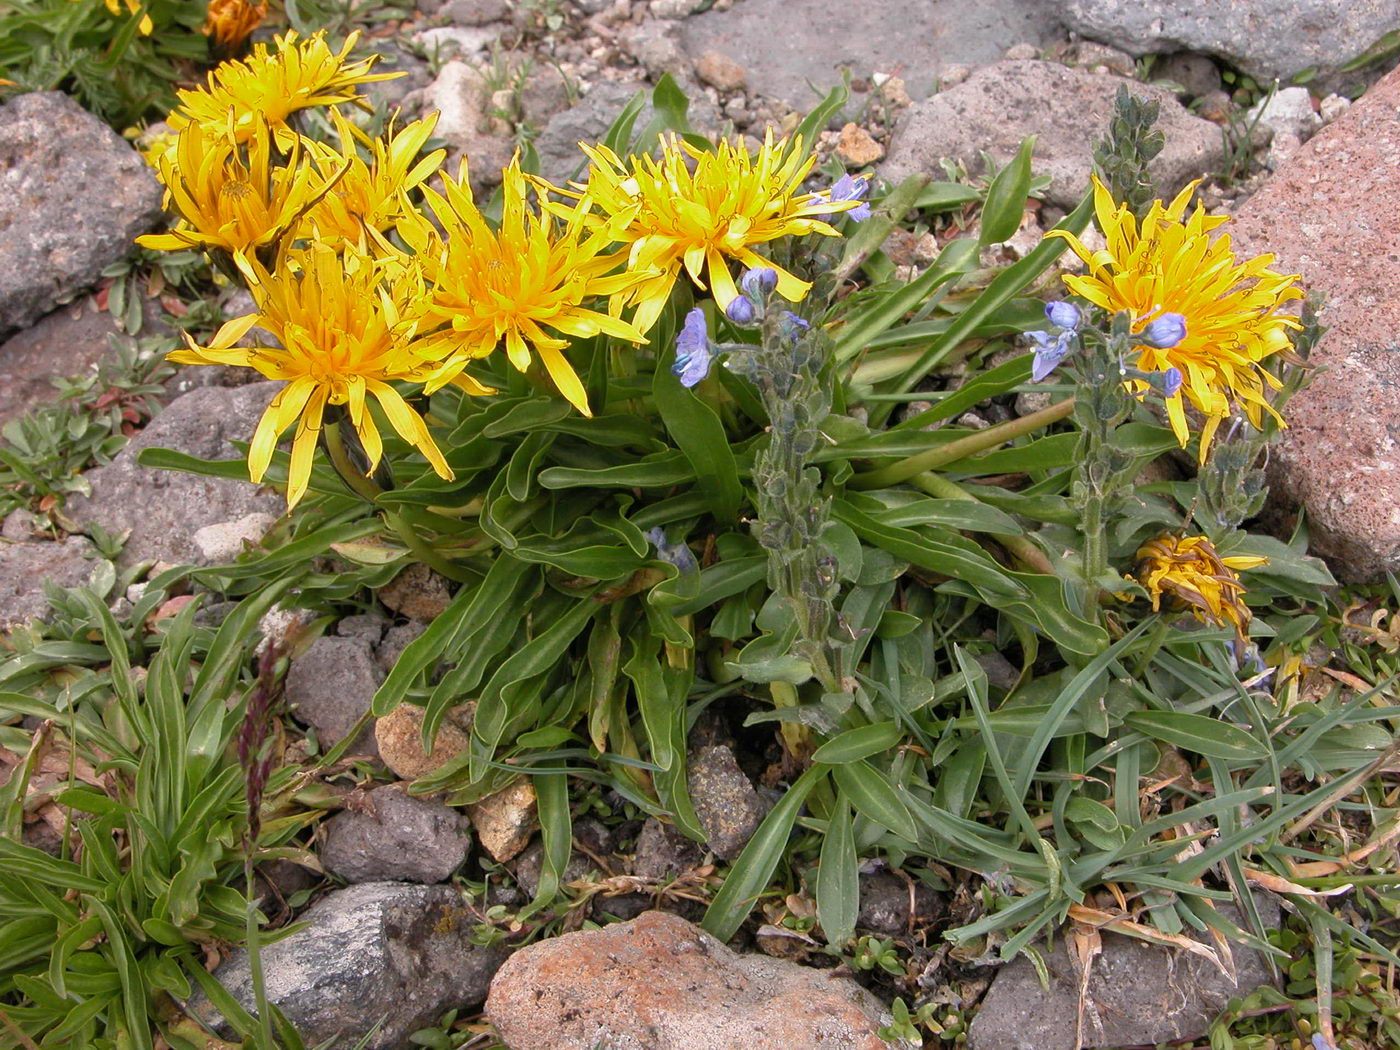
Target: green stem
1020 547
362 486
982 440
255 970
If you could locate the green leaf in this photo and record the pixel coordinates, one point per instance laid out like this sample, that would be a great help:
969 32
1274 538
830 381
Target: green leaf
699 434
874 797
752 872
838 877
856 744
1006 197
1199 733
945 196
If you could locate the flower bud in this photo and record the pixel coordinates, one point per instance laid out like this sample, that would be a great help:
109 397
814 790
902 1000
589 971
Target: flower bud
1063 314
741 311
758 281
1165 332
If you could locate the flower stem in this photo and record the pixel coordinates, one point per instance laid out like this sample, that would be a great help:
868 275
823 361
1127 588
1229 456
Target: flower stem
1020 547
255 970
982 440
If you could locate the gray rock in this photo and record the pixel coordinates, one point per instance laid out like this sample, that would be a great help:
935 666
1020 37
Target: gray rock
1288 112
1088 54
1196 74
792 47
380 952
663 853
475 12
656 45
368 627
460 97
391 836
1138 993
729 808
21 526
224 541
164 508
417 593
26 567
73 195
394 59
531 862
673 9
396 639
997 107
895 906
544 93
463 42
1265 38
330 686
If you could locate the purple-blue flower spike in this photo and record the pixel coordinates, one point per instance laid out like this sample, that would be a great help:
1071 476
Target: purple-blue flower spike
758 281
1049 352
1165 332
693 354
1063 314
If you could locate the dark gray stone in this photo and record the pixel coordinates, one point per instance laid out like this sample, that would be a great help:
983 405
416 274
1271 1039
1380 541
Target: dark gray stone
380 952
655 44
1138 994
330 686
163 509
394 59
391 836
1068 109
729 808
73 195
1265 38
26 567
792 47
396 639
1196 74
368 627
475 12
663 852
895 906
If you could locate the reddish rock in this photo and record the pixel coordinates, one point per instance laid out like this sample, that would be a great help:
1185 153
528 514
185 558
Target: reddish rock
1329 214
660 983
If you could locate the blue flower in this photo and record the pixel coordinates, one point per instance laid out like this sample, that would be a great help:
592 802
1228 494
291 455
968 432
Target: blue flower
693 353
1049 352
847 189
1165 332
1063 314
791 326
757 281
678 554
741 311
1171 381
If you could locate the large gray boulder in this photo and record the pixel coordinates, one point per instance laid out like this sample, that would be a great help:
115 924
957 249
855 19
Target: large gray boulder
26 567
163 509
73 195
1068 109
795 49
1265 38
384 953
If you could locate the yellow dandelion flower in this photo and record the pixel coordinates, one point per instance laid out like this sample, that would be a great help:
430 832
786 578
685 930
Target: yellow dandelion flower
513 285
669 217
272 86
229 22
344 322
1232 309
373 194
133 7
232 198
1189 570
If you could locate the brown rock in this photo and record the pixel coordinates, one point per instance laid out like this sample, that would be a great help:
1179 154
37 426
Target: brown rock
417 593
1329 215
857 147
505 821
729 808
660 983
720 71
399 735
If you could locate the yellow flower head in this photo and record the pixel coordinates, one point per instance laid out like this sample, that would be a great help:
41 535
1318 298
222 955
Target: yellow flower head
132 7
513 285
1191 571
232 198
1231 308
344 322
229 22
669 216
374 194
272 86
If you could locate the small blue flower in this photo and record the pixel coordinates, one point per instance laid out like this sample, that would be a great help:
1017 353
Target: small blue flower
678 554
1171 381
1063 314
741 311
847 189
1049 352
791 326
1320 1043
693 353
1165 332
758 281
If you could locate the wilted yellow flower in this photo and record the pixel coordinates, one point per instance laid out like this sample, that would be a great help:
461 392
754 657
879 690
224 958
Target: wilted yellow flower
229 22
374 194
1231 309
272 86
1191 571
344 321
233 198
669 217
513 285
132 7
